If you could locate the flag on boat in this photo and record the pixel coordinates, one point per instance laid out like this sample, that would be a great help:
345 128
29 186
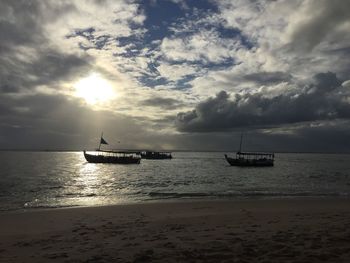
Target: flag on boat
103 141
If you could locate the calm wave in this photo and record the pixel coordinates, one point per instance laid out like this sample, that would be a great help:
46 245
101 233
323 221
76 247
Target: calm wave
61 179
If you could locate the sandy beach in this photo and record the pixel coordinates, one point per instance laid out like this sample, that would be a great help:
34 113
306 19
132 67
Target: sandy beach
298 230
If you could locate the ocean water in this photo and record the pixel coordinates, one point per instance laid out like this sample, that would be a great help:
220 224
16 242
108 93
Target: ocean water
30 180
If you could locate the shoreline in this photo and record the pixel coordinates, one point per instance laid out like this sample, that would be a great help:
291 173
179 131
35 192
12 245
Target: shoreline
184 200
274 230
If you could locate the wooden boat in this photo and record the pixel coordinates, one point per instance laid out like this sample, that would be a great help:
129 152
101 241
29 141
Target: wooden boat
117 157
100 156
156 155
253 159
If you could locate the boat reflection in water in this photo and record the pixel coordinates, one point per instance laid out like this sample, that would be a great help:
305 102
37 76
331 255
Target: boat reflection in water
112 157
155 155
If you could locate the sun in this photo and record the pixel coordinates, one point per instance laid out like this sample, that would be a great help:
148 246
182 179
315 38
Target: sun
94 89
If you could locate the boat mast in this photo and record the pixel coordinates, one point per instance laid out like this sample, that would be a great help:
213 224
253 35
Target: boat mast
99 146
240 144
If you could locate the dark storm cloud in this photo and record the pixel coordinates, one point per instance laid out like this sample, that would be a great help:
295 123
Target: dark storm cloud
266 78
160 102
26 58
262 78
324 99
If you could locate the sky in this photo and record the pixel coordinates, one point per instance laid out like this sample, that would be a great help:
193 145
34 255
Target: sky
175 74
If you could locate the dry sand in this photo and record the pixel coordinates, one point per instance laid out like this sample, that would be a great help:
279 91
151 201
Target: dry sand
199 231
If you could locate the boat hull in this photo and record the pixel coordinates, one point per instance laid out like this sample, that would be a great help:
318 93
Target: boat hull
249 162
156 157
111 159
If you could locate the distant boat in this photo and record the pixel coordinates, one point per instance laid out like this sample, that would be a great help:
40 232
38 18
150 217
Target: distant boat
117 157
250 158
156 155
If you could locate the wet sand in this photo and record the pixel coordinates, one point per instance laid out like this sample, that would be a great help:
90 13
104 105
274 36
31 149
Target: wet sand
193 231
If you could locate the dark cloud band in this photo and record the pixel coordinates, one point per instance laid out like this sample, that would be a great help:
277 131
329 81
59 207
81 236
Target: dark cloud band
324 99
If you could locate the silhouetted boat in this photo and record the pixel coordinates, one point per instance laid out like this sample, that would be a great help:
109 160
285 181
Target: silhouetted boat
250 158
156 155
100 156
118 157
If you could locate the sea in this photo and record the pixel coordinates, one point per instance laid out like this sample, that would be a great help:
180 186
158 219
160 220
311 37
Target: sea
40 180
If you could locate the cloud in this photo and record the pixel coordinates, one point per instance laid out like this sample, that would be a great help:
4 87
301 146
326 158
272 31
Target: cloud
205 46
324 99
175 72
27 59
268 78
319 21
22 23
256 56
346 84
47 68
300 37
43 121
161 102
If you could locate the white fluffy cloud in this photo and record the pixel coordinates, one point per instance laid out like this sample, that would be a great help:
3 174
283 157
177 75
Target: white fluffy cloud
176 72
204 46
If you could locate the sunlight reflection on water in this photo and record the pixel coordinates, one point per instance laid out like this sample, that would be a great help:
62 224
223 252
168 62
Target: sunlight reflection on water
46 179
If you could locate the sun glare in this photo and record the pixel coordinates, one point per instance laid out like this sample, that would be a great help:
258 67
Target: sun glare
94 89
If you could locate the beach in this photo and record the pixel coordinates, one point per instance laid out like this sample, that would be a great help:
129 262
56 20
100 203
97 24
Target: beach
284 230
